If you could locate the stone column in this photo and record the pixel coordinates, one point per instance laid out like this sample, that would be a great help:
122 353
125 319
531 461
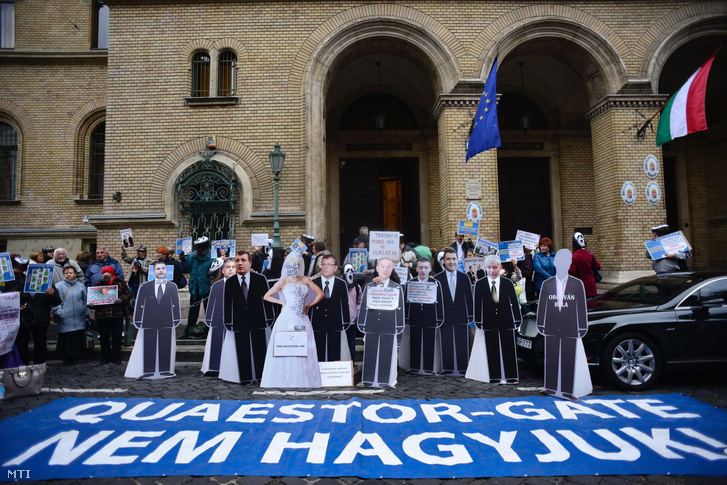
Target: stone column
618 157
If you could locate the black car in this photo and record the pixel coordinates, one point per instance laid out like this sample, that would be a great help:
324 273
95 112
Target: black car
640 328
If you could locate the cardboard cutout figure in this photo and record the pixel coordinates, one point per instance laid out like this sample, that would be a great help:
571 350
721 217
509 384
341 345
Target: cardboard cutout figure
562 319
497 314
215 320
381 319
423 320
458 314
248 316
156 314
331 316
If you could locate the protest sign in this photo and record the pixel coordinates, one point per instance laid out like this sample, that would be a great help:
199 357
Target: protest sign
127 238
6 268
184 245
39 278
383 244
485 247
223 248
474 265
468 228
290 344
358 257
298 246
421 292
338 373
383 298
403 273
102 295
670 244
9 320
529 239
511 250
259 240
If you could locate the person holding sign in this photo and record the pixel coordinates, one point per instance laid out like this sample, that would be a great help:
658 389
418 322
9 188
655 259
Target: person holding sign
458 314
497 312
424 312
300 369
461 246
672 262
331 316
381 319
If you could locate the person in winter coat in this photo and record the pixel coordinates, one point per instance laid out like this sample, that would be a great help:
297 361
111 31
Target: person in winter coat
197 265
543 262
110 317
583 265
71 312
94 273
34 319
59 261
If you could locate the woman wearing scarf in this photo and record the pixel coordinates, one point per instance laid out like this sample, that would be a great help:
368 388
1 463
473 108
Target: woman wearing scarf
72 311
110 317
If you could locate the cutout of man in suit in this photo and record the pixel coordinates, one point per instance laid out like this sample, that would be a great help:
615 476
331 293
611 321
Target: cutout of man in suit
215 319
423 319
156 314
497 312
458 314
248 315
381 326
562 319
331 316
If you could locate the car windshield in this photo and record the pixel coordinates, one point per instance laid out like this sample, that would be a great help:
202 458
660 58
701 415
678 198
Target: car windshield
650 291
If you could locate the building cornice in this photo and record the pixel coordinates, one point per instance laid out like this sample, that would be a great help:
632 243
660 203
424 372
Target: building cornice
15 56
626 101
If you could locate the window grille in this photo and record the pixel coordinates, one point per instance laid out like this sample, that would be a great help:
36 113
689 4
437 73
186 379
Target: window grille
227 74
96 165
201 75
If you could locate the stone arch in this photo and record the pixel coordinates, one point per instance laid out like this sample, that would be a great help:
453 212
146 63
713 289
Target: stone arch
22 123
186 53
232 44
246 164
560 21
311 65
674 30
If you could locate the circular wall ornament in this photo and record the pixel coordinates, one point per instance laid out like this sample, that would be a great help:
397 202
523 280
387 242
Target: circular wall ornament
628 193
651 166
653 193
474 211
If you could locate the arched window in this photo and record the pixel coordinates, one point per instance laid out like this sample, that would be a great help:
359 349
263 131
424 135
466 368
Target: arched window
96 162
100 25
8 161
201 75
227 85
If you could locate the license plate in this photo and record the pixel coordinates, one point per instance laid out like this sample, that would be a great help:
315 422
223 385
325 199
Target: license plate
524 343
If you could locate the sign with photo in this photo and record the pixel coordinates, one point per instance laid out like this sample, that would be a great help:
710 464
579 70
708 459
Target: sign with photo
223 248
127 238
421 292
529 239
9 320
298 246
485 247
259 240
358 257
474 265
670 244
39 278
511 250
102 295
184 245
468 228
382 298
384 244
6 268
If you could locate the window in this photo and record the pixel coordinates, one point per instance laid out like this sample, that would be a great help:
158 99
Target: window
96 166
7 25
8 161
100 25
201 75
227 74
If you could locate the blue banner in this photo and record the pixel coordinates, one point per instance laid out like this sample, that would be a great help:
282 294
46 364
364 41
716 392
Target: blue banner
534 436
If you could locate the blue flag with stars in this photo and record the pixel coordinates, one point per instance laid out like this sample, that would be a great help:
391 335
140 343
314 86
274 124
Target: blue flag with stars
485 131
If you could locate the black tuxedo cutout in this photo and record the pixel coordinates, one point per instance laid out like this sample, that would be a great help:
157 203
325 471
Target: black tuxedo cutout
457 316
329 318
248 318
423 319
499 321
157 320
215 318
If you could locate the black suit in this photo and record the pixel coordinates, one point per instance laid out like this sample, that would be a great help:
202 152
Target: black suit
499 321
457 316
215 318
329 318
465 246
423 320
248 318
381 328
157 320
561 327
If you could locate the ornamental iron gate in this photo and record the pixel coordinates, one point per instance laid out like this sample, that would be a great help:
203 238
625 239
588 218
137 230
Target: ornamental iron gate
207 192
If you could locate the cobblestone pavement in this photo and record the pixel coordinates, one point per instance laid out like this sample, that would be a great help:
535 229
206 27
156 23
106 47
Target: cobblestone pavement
88 379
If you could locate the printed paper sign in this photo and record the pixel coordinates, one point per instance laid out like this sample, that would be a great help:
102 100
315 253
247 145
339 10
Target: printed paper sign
421 292
511 250
184 245
102 295
403 273
336 373
298 246
223 248
39 278
290 344
468 228
6 268
473 265
127 238
384 245
529 239
485 247
670 244
381 298
170 272
9 320
358 257
259 240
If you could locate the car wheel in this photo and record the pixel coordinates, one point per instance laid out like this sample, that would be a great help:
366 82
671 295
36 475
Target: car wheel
631 362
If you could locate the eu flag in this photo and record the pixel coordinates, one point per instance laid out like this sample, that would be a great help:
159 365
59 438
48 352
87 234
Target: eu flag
485 131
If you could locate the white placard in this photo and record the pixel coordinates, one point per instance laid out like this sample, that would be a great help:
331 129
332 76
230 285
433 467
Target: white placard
529 239
337 373
384 244
290 344
421 292
473 189
259 240
382 298
9 320
403 273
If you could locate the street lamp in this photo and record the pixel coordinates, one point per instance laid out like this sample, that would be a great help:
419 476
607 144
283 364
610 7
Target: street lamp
277 159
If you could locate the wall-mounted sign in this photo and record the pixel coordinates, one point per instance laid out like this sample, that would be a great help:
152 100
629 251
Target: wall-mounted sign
474 211
473 189
653 193
628 193
651 166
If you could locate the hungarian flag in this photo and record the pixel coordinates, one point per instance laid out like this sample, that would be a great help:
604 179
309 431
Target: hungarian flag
684 112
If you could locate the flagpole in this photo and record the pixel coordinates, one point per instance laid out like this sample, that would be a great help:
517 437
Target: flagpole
642 131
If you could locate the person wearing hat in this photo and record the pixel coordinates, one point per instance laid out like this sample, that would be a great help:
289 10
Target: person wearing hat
671 263
584 264
197 265
94 271
48 253
139 268
60 260
110 317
